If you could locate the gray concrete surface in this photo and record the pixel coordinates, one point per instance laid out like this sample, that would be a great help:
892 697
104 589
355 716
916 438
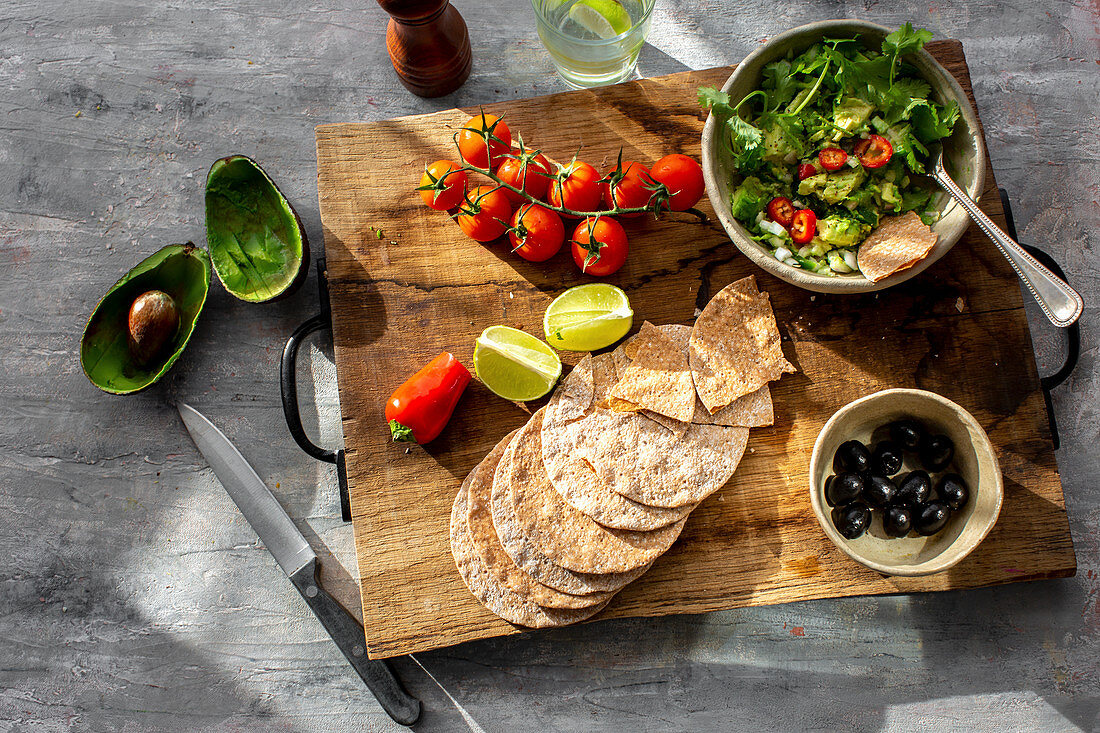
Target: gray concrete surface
133 596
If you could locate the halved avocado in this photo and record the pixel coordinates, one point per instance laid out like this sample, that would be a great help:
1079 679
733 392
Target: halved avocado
257 242
180 270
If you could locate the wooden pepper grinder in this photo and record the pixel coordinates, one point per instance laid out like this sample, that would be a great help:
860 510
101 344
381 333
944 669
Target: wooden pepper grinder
428 44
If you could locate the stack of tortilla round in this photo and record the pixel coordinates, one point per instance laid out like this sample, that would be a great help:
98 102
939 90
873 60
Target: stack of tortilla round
579 502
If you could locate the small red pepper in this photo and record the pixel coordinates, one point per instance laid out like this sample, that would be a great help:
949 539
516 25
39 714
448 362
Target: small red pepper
832 159
805 170
804 226
419 409
781 210
874 152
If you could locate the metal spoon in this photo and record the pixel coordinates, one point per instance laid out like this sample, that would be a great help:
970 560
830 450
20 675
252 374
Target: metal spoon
1061 303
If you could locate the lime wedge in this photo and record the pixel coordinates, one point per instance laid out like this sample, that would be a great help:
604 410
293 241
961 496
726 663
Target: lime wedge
515 365
588 317
605 18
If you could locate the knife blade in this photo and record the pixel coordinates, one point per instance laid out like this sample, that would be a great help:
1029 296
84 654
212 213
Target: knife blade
297 559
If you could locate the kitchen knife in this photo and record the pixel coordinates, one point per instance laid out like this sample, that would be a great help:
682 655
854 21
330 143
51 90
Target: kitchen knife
298 561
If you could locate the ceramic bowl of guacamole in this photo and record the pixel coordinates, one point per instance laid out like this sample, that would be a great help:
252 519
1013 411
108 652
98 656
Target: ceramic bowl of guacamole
868 84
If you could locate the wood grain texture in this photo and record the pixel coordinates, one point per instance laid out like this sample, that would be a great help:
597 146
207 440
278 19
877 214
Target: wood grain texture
959 330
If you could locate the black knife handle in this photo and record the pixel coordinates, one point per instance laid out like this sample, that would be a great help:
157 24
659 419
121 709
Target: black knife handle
348 635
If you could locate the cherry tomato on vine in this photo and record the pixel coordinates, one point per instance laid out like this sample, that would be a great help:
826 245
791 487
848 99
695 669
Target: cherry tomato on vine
536 233
443 185
485 213
528 171
471 141
576 186
874 152
803 226
683 177
805 170
599 246
832 159
628 189
781 210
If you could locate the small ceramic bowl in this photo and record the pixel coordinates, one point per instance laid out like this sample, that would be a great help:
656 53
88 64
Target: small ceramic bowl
964 155
974 460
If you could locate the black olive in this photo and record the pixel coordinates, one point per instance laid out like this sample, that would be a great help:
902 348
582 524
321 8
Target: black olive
936 452
843 489
952 491
853 520
914 490
907 433
897 521
931 518
886 459
879 491
852 456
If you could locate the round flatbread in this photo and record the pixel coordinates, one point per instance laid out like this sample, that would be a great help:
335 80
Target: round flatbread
577 483
646 462
479 488
568 537
496 596
534 563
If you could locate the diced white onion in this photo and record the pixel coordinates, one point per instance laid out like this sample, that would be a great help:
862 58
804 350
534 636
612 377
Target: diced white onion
798 204
805 251
773 227
777 241
760 217
792 262
853 161
790 158
850 259
782 254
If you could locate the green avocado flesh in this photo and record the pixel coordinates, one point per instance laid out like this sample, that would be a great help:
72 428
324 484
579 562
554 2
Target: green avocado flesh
180 270
255 240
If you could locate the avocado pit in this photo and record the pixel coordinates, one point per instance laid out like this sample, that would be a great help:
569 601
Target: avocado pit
154 321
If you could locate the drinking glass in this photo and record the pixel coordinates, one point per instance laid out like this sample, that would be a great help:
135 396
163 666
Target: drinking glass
593 42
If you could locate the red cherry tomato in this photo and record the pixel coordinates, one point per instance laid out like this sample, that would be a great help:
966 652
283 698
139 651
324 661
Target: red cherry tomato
576 186
683 179
528 171
781 210
832 159
537 233
443 185
628 189
419 409
805 170
599 246
803 226
471 141
874 152
485 213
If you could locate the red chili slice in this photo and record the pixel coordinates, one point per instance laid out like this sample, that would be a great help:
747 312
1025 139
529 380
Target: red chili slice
874 152
781 210
805 170
804 226
832 159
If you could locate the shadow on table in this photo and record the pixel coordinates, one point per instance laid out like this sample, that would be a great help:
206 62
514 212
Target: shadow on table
668 673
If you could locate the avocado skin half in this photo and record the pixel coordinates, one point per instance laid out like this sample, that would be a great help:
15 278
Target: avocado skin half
258 246
180 270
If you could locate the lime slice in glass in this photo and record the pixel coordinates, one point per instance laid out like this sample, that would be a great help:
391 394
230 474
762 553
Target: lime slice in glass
588 317
515 365
605 18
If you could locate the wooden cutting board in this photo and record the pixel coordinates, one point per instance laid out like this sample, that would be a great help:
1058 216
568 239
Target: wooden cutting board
422 287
